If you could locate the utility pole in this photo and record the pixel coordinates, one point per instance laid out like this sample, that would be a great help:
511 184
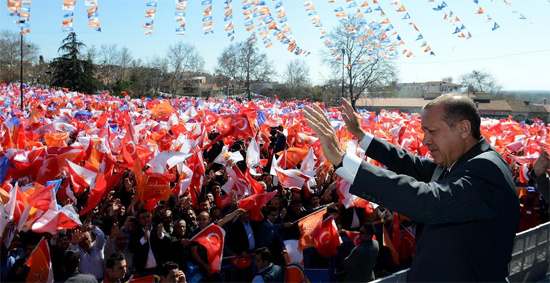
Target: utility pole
21 22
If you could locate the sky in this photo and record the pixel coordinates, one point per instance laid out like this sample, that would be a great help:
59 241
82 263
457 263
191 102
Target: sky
517 53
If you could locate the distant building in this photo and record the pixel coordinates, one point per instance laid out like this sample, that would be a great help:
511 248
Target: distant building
487 105
419 90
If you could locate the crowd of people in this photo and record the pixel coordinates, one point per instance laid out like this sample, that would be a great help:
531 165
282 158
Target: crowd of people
127 237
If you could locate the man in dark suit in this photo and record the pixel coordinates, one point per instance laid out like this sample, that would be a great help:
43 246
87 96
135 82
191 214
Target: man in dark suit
539 171
148 245
464 196
360 262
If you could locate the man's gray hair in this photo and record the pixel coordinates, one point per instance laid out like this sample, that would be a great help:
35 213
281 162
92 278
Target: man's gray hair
458 108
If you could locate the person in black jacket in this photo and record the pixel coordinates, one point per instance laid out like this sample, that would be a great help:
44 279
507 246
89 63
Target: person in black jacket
464 198
360 262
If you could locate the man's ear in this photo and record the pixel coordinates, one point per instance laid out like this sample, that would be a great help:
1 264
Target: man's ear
465 128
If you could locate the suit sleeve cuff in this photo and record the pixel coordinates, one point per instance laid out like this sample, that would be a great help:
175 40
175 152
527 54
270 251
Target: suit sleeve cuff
365 142
349 168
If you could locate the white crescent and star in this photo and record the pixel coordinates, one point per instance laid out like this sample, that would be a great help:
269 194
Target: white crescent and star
245 124
325 233
213 235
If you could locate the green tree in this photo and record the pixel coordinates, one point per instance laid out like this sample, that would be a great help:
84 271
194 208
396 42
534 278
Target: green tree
70 71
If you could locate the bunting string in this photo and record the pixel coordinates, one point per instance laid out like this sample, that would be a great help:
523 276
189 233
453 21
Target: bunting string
150 15
228 20
181 10
21 11
207 17
407 16
93 17
248 21
481 11
67 23
376 38
514 10
316 22
460 28
260 12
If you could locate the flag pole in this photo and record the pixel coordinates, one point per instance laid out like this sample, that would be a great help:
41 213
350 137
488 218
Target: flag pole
317 211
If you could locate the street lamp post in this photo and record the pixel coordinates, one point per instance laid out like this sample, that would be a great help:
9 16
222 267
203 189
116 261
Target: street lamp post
343 69
21 70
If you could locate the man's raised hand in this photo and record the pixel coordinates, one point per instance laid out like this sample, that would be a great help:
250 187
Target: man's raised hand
318 121
351 118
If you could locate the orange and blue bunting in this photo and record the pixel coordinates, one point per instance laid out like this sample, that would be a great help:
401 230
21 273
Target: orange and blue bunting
460 29
207 17
93 17
67 23
407 16
150 15
228 20
181 10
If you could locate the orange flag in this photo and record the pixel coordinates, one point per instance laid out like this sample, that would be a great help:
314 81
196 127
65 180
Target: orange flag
40 263
307 225
162 109
56 139
292 156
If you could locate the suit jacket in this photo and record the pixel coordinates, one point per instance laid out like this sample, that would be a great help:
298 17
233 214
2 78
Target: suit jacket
237 238
543 185
470 217
159 247
360 262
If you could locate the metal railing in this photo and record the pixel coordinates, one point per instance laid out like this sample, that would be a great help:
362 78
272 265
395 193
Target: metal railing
530 257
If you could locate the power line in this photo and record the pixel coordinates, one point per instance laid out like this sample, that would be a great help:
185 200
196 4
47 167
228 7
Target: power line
476 59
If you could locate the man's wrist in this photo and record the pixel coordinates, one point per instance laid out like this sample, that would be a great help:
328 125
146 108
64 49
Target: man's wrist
340 164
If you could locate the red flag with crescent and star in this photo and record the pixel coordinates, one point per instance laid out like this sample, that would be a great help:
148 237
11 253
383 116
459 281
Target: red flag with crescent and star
212 238
326 238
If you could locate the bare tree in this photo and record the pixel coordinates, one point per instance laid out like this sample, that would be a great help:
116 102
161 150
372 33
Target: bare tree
108 58
244 63
182 57
480 81
364 60
297 78
125 61
10 54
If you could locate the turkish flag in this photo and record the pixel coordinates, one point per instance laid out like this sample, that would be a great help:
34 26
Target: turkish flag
40 263
212 238
326 238
355 237
254 203
80 177
95 194
210 118
52 221
396 232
